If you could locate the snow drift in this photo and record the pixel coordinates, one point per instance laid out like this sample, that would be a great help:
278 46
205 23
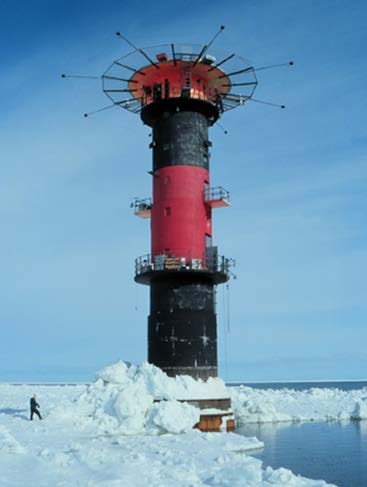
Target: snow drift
262 406
124 398
133 399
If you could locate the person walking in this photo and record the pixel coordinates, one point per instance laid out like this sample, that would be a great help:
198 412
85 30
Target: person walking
34 405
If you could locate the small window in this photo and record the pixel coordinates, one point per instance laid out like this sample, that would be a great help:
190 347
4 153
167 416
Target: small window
167 211
167 180
166 146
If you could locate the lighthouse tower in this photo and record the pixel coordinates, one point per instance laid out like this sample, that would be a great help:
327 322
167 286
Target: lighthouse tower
180 92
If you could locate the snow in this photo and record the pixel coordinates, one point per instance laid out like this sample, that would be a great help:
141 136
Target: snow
172 416
158 384
8 443
262 406
122 400
113 433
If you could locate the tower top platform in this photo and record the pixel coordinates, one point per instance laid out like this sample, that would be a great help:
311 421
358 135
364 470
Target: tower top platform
177 72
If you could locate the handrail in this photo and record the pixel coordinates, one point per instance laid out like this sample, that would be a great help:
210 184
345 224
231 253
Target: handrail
141 205
216 193
212 263
211 95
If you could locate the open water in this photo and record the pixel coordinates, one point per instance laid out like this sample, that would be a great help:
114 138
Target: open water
333 451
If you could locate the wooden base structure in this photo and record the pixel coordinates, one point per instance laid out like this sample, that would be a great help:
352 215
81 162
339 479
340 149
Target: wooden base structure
216 414
216 422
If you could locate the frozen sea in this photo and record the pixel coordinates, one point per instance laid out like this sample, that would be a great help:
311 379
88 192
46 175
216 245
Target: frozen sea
304 385
112 433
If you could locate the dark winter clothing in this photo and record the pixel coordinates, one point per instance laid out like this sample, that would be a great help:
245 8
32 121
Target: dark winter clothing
34 405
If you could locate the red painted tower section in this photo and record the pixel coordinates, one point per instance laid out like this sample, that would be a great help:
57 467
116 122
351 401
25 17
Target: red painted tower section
181 221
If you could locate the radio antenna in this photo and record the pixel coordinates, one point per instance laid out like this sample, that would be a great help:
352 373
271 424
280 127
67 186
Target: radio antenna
79 76
222 128
137 49
266 103
289 63
206 47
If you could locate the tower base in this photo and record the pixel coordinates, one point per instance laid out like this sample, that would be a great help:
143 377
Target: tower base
216 422
203 372
216 414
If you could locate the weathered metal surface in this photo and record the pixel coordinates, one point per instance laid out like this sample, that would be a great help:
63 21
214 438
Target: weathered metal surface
216 422
181 139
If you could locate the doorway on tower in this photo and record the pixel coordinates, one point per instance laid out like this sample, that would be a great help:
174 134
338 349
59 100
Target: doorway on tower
208 241
211 254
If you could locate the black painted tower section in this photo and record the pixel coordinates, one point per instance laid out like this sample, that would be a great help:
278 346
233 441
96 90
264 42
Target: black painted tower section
182 327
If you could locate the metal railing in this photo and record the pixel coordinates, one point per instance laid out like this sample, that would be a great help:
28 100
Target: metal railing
169 261
141 205
200 83
181 90
216 193
143 264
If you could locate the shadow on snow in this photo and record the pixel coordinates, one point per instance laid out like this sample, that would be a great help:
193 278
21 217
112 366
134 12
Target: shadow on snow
14 412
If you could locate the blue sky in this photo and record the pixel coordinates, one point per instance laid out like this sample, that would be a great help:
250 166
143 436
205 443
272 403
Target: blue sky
297 178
